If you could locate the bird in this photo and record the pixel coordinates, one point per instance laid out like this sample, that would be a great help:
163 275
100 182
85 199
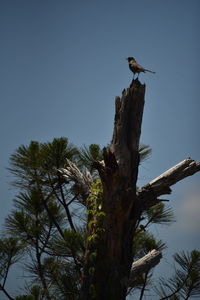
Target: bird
136 68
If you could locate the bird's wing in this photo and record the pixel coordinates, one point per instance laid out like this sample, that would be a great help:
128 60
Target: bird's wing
136 66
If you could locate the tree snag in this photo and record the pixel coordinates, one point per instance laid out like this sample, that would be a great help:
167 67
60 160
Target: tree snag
115 206
108 256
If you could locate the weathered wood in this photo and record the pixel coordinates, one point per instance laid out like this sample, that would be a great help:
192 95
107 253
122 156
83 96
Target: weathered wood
83 181
148 194
127 128
111 223
185 168
143 265
113 251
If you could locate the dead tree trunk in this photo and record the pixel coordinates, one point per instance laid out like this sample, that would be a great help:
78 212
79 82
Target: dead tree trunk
114 213
108 257
113 217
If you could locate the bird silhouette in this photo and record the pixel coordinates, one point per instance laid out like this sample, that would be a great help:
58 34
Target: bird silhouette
136 68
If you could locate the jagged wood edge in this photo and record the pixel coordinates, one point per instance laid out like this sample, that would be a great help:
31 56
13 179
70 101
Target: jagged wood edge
143 265
161 185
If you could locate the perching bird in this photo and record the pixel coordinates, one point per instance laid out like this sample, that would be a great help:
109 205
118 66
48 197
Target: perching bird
135 67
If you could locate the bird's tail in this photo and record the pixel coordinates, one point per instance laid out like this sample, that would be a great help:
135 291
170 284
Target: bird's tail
150 71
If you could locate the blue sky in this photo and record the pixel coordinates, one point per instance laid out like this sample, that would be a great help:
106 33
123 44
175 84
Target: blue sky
63 63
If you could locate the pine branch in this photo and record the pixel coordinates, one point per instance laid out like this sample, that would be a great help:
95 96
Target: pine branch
5 292
41 269
7 269
185 281
63 202
144 285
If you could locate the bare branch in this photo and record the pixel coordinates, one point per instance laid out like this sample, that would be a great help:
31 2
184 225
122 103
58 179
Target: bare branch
161 185
72 173
144 265
185 168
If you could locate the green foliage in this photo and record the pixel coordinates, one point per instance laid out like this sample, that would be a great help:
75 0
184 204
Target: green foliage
92 256
11 250
186 280
88 155
54 154
92 291
25 297
36 293
159 214
37 163
42 221
47 226
71 242
144 242
95 213
144 151
30 219
63 277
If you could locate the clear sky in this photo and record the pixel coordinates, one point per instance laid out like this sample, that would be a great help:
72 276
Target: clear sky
63 63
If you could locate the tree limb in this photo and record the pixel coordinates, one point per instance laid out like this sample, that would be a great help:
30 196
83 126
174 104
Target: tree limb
6 293
82 180
148 194
144 285
144 265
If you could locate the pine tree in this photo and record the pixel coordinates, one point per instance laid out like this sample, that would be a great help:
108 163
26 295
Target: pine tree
62 219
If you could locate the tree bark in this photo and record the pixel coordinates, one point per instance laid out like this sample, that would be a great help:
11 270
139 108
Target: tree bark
146 197
113 218
107 276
